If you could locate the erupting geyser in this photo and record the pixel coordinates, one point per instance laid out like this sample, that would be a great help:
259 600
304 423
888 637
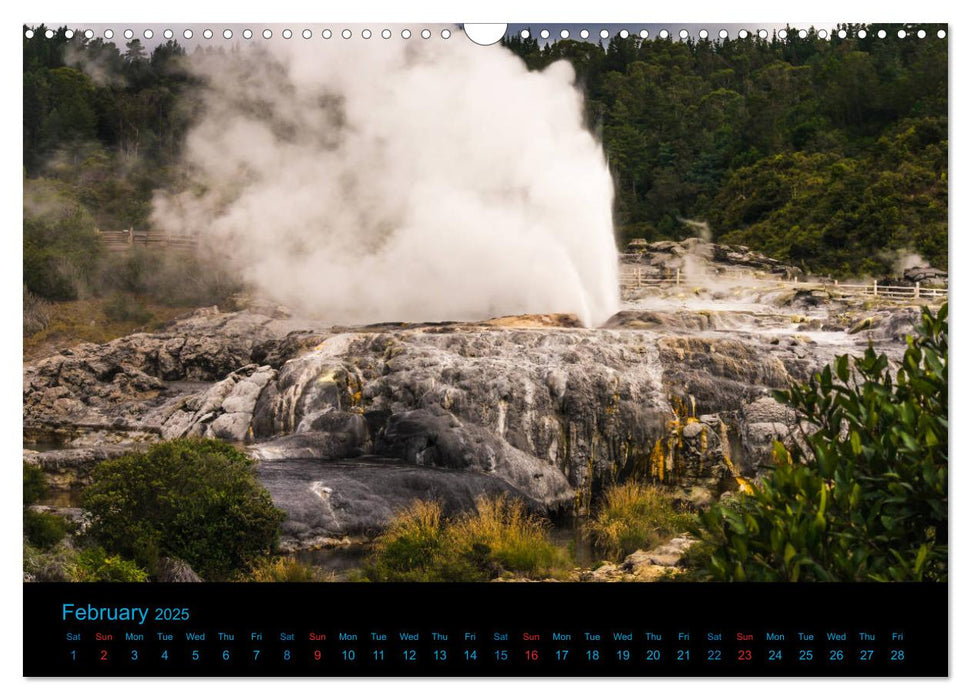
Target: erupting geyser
370 181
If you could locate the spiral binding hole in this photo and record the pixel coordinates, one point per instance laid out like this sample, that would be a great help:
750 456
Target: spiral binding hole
543 33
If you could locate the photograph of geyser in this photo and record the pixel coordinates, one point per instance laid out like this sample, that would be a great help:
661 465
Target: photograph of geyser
379 303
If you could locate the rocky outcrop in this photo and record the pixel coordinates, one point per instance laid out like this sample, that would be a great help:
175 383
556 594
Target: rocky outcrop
129 387
536 406
171 570
73 515
436 438
763 421
224 411
325 501
663 561
690 255
70 468
926 276
890 326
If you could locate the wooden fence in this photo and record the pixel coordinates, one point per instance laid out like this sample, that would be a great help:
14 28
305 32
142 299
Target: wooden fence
637 279
121 241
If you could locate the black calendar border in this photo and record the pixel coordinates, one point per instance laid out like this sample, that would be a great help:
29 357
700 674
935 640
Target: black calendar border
918 611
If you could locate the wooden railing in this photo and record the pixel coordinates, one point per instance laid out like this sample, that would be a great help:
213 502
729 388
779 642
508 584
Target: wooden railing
637 279
879 290
121 241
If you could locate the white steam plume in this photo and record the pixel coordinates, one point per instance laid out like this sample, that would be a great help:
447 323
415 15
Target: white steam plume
902 259
907 259
96 65
700 227
368 181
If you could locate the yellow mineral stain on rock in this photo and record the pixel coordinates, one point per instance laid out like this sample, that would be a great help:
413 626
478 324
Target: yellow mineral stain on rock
535 321
744 485
328 377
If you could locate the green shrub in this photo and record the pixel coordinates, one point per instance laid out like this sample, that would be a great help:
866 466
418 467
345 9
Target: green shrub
126 308
95 565
37 313
61 245
500 537
196 500
695 561
170 277
635 516
53 565
44 530
864 496
35 484
413 547
284 570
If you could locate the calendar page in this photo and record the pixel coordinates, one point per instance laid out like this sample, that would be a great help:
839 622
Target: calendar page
485 349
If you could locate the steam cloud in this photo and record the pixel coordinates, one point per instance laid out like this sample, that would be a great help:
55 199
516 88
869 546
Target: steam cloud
700 227
907 259
391 180
97 67
902 259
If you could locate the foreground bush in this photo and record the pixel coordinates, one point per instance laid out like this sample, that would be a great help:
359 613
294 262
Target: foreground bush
52 565
44 530
170 277
864 495
94 565
35 484
500 537
196 500
61 246
37 313
414 548
284 570
635 516
64 564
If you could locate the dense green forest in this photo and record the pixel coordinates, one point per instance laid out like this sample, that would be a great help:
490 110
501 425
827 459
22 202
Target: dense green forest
103 130
108 123
829 153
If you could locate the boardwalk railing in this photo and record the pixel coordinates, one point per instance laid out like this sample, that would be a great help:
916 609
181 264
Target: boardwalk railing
121 241
637 279
880 290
